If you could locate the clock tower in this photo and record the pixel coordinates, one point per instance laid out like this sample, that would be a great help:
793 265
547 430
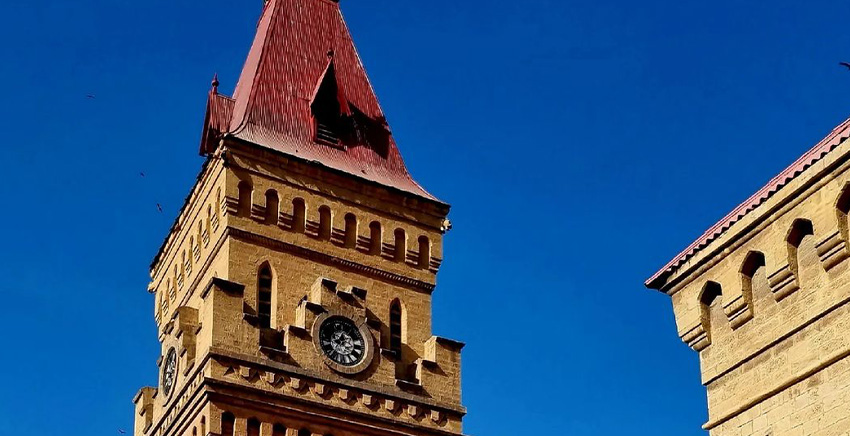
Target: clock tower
293 292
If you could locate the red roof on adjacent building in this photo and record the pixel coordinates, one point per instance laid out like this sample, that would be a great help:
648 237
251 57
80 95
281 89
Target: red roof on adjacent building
297 43
836 137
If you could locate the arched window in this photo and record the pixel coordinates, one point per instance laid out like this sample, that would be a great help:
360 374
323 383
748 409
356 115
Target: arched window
209 221
752 263
278 430
272 207
400 245
424 252
178 277
710 300
218 205
213 214
264 297
299 215
194 431
396 327
203 426
325 223
375 238
228 422
304 432
350 230
200 234
245 200
799 230
186 266
253 427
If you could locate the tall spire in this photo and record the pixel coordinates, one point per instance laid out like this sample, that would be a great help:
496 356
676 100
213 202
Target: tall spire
303 53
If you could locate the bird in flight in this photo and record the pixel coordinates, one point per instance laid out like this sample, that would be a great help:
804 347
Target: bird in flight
845 64
142 174
159 207
90 96
121 431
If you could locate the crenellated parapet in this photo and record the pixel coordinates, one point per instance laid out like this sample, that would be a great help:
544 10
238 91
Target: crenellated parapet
767 258
348 396
144 410
276 210
227 323
763 295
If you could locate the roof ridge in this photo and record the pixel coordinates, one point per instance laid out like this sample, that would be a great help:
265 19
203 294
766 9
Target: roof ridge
774 185
267 21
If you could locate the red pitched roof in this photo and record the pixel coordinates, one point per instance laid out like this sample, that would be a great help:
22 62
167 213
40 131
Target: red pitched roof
836 137
297 43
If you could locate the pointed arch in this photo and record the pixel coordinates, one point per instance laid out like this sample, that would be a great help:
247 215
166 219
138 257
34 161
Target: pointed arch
350 230
272 207
400 245
299 215
195 249
200 234
219 207
265 295
375 238
424 252
325 217
186 265
710 299
228 423
246 191
279 430
752 263
208 230
799 230
178 276
253 427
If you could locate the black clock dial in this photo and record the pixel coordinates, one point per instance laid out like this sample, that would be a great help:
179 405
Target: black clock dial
169 371
341 341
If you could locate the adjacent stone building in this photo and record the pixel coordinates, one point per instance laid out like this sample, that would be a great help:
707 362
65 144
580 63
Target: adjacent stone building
763 297
293 293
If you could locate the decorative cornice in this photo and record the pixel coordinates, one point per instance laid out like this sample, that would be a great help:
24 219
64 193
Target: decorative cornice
738 311
327 259
306 378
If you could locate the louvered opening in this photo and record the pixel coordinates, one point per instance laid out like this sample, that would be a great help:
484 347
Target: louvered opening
325 134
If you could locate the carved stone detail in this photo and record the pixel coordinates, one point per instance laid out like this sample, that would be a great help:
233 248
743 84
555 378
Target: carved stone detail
317 390
833 250
783 282
697 338
738 311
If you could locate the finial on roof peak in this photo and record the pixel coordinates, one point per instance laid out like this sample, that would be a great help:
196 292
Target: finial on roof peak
330 54
214 84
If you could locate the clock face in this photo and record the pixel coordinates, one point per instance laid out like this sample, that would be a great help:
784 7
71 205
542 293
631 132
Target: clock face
169 371
341 341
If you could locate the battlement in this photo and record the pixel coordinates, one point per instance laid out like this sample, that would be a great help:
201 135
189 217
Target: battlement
766 304
256 196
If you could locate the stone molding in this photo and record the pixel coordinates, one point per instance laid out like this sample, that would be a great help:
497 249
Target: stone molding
783 282
290 383
327 259
833 250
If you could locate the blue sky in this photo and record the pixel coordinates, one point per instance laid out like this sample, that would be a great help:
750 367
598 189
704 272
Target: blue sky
581 143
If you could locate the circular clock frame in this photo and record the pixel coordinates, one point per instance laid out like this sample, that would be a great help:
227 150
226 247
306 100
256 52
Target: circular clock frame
170 356
368 343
